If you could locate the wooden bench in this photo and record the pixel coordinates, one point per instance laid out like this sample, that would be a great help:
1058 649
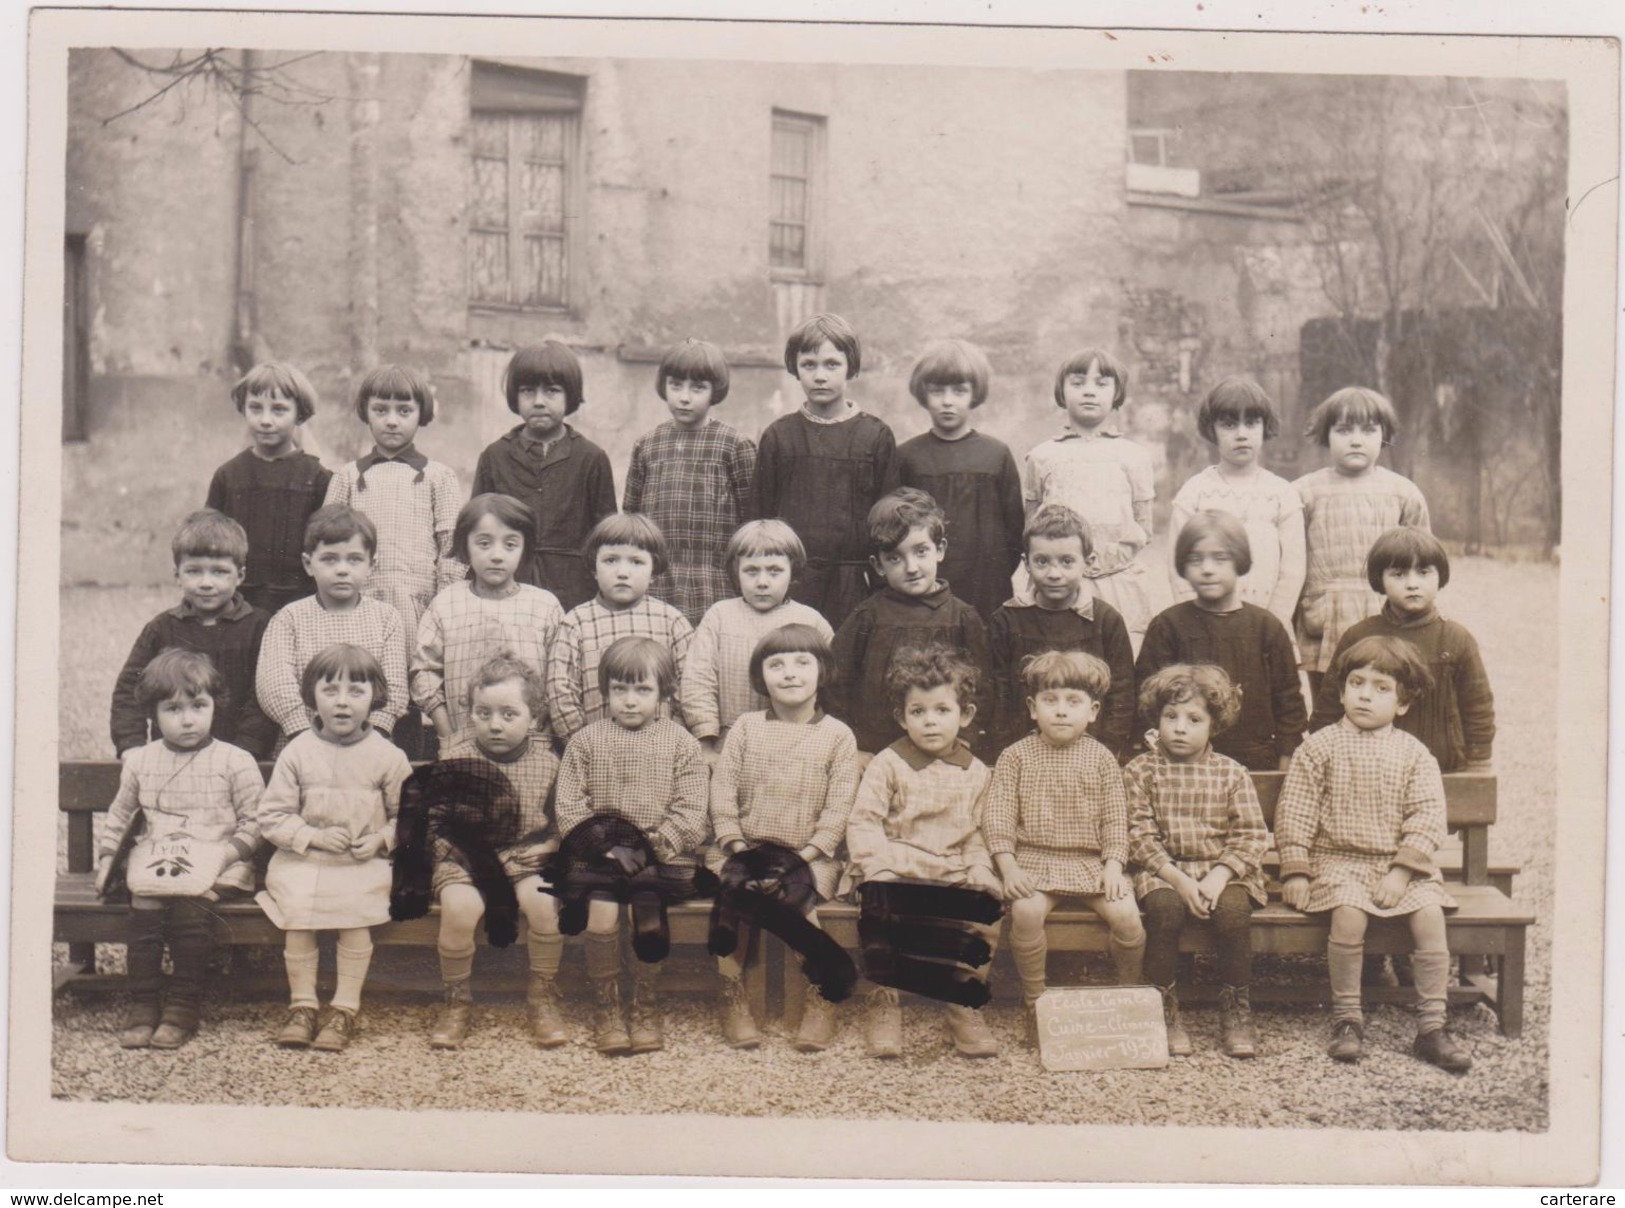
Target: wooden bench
1487 930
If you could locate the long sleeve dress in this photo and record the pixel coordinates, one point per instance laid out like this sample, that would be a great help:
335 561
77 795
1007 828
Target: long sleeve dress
461 631
918 817
1060 810
1272 514
654 777
1196 815
574 698
272 500
528 774
302 630
716 685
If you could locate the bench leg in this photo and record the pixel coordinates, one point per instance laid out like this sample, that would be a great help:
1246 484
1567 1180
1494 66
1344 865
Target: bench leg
1475 855
1509 986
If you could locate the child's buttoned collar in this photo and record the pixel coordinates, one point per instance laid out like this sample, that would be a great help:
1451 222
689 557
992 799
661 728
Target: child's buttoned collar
1084 605
959 756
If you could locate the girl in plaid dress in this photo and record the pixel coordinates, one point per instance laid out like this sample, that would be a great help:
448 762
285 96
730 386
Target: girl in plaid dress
1346 507
1198 835
693 477
1360 817
1056 821
787 775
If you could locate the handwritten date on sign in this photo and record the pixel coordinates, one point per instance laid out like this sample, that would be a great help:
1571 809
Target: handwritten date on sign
1110 1028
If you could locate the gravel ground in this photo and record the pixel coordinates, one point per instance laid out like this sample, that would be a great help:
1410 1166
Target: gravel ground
1291 1084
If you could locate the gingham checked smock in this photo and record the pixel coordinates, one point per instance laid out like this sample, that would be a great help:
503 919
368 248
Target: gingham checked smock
655 777
574 698
1196 815
461 631
530 774
1060 810
716 686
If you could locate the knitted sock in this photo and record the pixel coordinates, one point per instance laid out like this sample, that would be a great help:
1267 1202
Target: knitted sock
1129 960
546 952
355 954
1344 963
1031 953
1432 973
301 956
455 966
603 954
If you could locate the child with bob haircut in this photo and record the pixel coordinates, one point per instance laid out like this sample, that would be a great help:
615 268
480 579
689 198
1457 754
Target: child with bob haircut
503 699
199 800
1346 507
1361 815
1105 477
544 462
1248 642
339 546
914 608
626 551
1237 417
329 809
1057 614
1456 720
272 487
918 817
214 619
972 476
1198 835
694 477
490 613
786 775
822 467
1056 822
763 558
648 770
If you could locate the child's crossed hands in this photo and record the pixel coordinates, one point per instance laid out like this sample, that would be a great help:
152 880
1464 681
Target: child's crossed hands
1212 885
1190 893
368 846
333 839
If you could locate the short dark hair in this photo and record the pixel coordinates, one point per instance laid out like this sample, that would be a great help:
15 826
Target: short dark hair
1179 682
627 528
277 377
210 534
508 511
1405 548
794 639
948 363
1228 530
335 524
816 331
343 661
894 515
1352 405
927 667
499 670
1240 399
1080 362
398 384
631 660
765 539
1065 669
1056 522
549 363
694 361
176 672
1390 656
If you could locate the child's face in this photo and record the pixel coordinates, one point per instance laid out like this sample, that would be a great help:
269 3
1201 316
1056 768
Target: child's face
910 566
494 552
1063 714
1055 565
501 718
764 580
1354 447
343 705
1371 698
341 569
394 422
822 374
791 678
949 407
1184 729
623 573
1210 568
933 717
272 416
634 704
1412 589
542 409
1088 396
1240 441
184 720
208 584
689 401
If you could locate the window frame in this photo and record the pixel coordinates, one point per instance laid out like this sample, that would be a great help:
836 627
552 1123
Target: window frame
816 128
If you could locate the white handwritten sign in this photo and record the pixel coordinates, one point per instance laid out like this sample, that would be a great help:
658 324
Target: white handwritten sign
1110 1028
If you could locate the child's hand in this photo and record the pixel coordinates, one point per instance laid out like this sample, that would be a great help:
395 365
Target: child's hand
1190 893
368 846
1295 892
104 869
1213 884
1019 884
1116 884
333 839
1392 887
631 860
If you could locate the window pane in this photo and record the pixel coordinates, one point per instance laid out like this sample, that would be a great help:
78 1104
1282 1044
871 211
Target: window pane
790 145
544 270
789 200
491 134
787 246
488 266
490 201
541 136
541 192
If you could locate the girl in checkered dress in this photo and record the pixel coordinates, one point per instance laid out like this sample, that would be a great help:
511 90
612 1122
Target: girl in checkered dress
693 477
787 775
1360 818
1056 821
1346 507
1198 835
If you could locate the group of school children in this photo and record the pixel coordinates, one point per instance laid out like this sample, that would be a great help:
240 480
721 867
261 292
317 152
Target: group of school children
711 664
